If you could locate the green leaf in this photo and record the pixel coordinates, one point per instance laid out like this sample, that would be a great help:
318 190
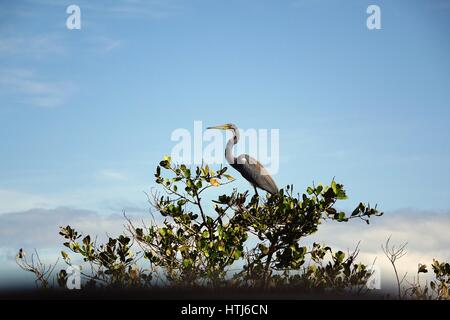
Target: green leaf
229 178
422 268
340 256
187 173
334 187
65 255
86 240
263 248
187 262
360 208
341 217
214 182
433 285
205 234
165 164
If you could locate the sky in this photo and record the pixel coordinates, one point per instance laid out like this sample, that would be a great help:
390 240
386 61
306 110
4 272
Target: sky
86 115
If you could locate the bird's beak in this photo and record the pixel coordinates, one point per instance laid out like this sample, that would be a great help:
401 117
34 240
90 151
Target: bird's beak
222 127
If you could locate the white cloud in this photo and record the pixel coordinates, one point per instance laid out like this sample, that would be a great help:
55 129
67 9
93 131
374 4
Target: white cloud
37 46
107 174
13 200
107 191
24 87
107 44
426 233
38 228
45 46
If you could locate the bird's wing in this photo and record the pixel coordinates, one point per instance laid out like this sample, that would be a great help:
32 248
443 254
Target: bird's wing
253 171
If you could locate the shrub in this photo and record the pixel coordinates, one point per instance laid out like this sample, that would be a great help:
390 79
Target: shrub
242 241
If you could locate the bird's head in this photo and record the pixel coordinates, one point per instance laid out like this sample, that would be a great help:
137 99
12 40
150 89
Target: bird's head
228 126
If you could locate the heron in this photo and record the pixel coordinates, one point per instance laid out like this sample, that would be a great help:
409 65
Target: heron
251 169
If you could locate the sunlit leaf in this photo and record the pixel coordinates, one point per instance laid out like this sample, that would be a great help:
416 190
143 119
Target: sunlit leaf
214 182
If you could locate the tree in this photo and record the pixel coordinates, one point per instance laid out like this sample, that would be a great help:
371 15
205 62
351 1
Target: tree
237 241
194 247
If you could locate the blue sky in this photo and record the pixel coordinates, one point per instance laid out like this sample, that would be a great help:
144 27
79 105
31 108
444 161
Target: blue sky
85 115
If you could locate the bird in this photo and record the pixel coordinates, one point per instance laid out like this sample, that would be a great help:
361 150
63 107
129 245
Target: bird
251 169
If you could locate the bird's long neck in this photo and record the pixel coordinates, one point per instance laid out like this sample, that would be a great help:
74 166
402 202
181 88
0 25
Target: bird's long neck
229 149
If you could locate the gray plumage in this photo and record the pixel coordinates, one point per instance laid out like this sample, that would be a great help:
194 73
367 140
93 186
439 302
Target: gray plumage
251 169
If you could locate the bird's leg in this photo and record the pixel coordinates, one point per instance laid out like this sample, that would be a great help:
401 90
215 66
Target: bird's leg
257 197
256 191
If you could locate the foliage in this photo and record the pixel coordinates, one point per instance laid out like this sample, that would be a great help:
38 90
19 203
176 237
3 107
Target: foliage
42 271
438 289
111 264
236 240
196 248
339 273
